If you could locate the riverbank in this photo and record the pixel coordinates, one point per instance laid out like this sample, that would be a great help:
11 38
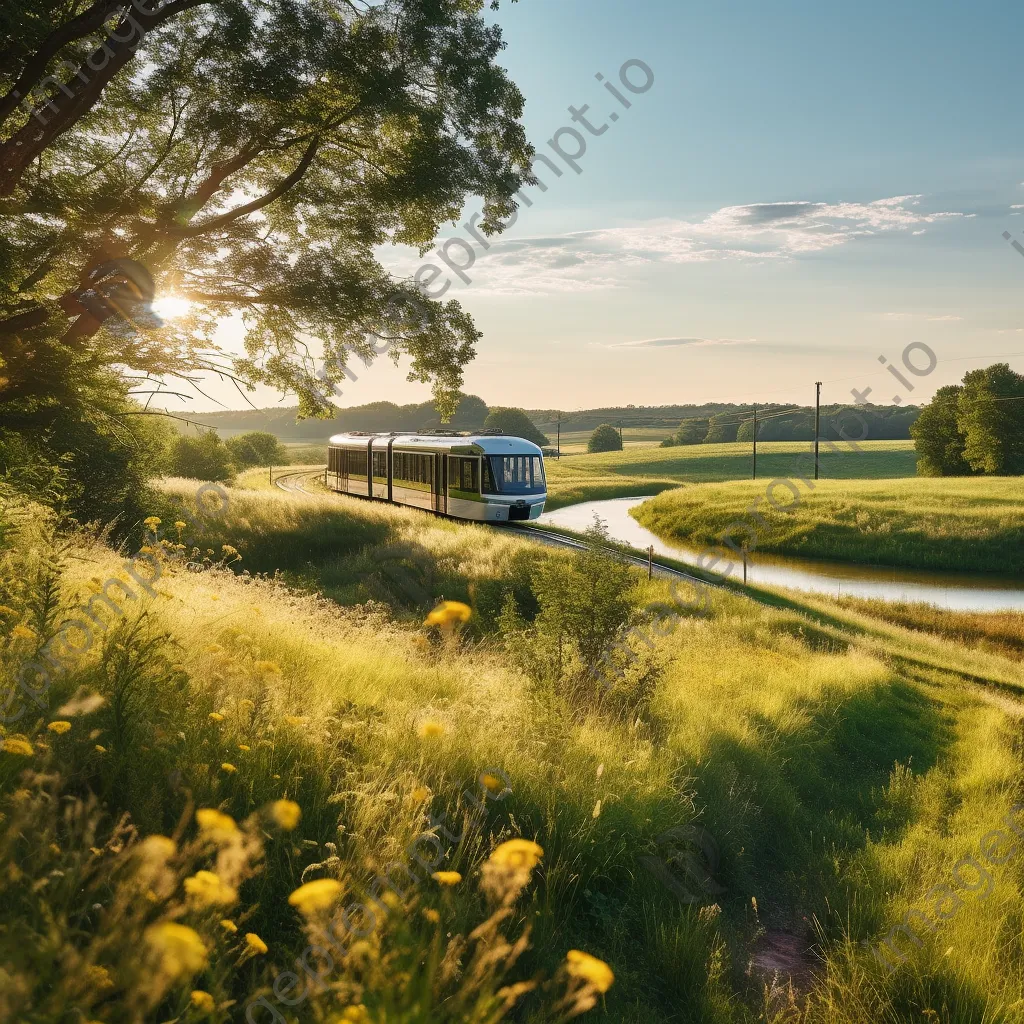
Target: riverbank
962 524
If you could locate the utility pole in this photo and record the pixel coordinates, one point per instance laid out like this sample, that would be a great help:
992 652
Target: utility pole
622 447
558 443
817 420
650 561
754 477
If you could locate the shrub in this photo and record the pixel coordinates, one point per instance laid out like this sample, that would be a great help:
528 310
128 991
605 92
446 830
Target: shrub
256 448
205 457
605 439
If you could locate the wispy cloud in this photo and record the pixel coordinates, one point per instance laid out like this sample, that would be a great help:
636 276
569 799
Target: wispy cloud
929 317
682 342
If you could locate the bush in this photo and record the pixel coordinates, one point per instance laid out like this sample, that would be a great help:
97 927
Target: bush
256 448
605 439
205 457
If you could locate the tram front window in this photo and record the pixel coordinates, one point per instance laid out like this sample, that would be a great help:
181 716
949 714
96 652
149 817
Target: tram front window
515 474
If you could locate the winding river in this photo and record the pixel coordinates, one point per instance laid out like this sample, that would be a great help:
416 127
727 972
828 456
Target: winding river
957 591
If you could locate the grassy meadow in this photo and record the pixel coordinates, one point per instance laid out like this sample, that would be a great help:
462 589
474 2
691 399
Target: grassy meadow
969 524
643 470
763 792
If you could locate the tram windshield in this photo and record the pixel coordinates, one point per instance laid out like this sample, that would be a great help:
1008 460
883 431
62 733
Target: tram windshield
514 474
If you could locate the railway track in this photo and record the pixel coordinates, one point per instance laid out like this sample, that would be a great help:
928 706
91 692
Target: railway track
293 484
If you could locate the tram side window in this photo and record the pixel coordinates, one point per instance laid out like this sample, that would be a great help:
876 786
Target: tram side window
356 463
380 465
464 474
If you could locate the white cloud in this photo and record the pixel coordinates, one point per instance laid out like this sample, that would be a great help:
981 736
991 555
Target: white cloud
682 342
930 317
602 259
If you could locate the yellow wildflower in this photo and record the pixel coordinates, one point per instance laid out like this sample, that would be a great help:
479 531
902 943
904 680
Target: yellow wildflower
178 947
228 767
492 783
356 1015
268 667
215 824
179 525
215 716
55 849
286 813
431 915
314 896
99 976
205 889
100 749
589 969
447 877
430 729
202 1001
152 522
420 793
16 746
517 854
21 632
448 613
7 611
244 747
294 720
158 848
229 926
59 727
255 943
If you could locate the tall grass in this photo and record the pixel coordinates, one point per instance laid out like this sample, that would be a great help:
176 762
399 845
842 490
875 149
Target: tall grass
839 766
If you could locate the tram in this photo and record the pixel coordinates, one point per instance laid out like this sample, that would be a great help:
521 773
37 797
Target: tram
488 477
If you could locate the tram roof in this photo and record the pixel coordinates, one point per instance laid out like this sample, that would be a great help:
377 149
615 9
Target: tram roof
478 444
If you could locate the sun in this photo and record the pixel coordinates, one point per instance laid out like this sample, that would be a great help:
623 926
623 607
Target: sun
170 307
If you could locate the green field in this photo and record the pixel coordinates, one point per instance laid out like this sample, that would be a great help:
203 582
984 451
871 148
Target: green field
803 772
651 470
969 524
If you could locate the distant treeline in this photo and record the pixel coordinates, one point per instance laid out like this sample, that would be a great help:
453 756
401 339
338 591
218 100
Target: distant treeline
722 421
784 423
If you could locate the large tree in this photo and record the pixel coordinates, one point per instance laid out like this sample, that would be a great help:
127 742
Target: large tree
252 155
990 415
515 423
937 438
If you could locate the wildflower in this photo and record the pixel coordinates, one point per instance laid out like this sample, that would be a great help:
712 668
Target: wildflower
357 1014
597 810
7 611
95 851
589 969
286 813
430 729
270 668
230 551
55 849
447 614
317 895
492 783
294 720
229 926
228 767
152 522
517 854
179 525
419 794
215 716
158 848
214 597
206 889
99 976
202 1001
447 877
178 947
431 915
255 943
20 747
21 632
59 727
215 824
244 747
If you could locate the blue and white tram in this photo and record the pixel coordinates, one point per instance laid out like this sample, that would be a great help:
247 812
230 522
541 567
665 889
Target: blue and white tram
486 477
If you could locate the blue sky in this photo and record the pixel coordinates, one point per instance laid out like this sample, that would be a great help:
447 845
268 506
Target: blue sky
803 188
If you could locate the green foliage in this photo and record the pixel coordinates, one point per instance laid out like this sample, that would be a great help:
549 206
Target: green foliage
721 429
605 439
347 127
256 448
990 415
205 457
515 423
692 431
937 436
977 426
